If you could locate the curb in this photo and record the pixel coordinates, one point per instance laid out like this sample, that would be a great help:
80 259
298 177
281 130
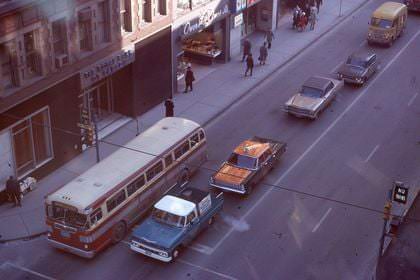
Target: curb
269 75
25 238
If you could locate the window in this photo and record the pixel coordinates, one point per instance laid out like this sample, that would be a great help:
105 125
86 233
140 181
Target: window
201 133
146 11
154 171
329 87
190 217
95 216
8 65
194 140
115 201
372 60
103 21
32 65
181 150
183 5
125 15
161 7
32 142
85 29
134 186
168 160
59 34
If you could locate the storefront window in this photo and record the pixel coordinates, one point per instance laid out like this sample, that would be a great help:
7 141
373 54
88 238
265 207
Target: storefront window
32 142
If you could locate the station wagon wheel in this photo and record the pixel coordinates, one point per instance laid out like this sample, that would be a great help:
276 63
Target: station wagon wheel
118 232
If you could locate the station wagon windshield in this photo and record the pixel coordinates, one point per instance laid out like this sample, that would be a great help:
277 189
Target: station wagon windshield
242 161
354 61
168 218
382 23
68 216
312 92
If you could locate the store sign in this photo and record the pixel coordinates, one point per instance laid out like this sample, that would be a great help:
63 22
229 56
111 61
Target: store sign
107 66
239 5
238 20
249 3
400 193
205 19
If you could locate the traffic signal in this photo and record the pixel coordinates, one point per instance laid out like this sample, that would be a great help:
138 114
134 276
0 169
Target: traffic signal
387 211
90 135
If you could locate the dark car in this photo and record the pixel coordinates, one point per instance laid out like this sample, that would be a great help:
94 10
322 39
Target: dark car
359 67
413 5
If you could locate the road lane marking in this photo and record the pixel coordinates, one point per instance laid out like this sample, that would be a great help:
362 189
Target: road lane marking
309 149
363 44
206 269
372 153
29 271
201 248
322 219
412 99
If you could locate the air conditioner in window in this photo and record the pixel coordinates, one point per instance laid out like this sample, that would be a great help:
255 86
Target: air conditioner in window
61 60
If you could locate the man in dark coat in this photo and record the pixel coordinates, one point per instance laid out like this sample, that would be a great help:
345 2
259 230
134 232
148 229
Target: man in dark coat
247 49
318 4
169 107
13 189
249 64
269 36
263 54
189 79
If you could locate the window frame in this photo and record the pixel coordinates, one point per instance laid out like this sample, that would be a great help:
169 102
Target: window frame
153 170
115 198
182 146
134 185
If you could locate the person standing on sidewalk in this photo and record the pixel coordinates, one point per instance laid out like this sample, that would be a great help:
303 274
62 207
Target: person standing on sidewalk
13 188
269 36
249 64
263 54
312 17
189 79
169 107
247 49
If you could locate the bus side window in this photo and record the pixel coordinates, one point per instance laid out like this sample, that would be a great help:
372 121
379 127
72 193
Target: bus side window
115 200
154 170
95 216
202 136
194 140
134 186
168 160
182 149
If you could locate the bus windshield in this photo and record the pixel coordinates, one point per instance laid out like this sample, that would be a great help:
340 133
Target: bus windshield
168 218
68 216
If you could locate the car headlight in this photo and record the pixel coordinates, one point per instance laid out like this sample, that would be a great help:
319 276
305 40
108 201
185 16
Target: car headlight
163 254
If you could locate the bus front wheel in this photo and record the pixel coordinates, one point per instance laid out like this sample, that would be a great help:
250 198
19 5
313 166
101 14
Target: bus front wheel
118 232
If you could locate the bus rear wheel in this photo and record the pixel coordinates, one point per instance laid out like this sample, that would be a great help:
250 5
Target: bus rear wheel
118 232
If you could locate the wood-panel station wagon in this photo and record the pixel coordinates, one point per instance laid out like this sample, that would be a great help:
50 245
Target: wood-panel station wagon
358 68
249 163
315 95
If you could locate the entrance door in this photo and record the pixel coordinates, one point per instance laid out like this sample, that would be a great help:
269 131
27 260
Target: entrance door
101 101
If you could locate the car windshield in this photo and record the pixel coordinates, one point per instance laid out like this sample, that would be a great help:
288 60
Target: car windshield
168 218
312 92
242 161
355 61
382 23
68 216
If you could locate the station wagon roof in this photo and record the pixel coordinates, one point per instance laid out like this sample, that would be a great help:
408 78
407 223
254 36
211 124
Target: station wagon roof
104 176
361 55
175 205
251 148
317 82
388 10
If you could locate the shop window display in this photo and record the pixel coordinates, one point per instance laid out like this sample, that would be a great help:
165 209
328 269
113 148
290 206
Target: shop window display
205 44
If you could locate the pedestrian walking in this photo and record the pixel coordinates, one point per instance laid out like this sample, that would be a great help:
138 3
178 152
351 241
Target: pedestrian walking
246 49
269 36
318 4
263 54
296 12
249 64
169 107
312 18
189 79
13 189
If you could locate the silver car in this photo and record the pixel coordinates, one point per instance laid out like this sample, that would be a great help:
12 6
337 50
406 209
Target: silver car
314 96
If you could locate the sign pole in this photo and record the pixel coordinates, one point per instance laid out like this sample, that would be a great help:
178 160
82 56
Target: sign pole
95 123
341 3
386 217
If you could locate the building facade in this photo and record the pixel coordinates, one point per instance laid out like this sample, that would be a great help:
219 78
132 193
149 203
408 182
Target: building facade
65 64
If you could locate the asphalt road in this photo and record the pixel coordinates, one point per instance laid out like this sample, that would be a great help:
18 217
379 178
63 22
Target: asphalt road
352 153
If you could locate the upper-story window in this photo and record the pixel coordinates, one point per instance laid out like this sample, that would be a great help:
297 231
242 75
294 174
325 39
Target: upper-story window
183 5
85 29
32 63
161 7
59 39
103 22
146 11
8 65
125 15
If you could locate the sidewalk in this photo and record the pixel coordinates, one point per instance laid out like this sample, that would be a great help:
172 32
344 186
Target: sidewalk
215 90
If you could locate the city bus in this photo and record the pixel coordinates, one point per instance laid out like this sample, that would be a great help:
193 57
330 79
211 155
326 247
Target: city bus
99 206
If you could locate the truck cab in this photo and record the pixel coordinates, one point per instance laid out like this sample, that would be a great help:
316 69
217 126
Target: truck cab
175 221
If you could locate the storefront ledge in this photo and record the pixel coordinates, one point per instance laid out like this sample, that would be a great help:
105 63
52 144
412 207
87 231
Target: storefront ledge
113 127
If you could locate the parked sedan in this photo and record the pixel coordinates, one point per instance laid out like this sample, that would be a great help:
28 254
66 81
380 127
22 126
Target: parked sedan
359 67
315 95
